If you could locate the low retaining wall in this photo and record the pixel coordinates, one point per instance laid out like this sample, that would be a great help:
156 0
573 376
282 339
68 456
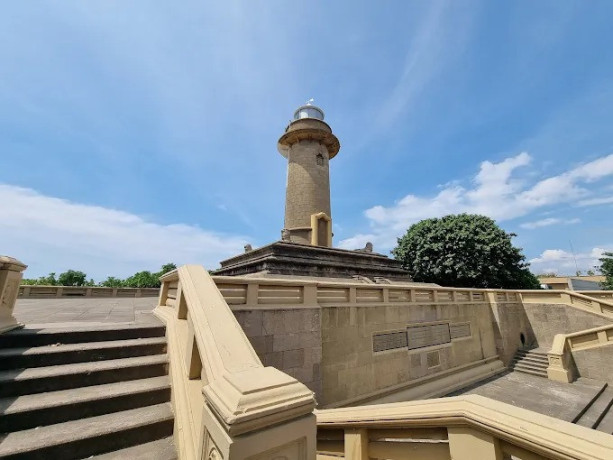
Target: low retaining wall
47 292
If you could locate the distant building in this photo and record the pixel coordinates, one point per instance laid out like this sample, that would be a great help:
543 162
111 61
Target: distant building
573 283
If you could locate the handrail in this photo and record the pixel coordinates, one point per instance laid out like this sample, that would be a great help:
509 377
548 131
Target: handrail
463 428
560 356
239 396
571 298
38 291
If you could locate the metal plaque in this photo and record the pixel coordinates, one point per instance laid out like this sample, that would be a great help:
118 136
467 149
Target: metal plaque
389 341
427 336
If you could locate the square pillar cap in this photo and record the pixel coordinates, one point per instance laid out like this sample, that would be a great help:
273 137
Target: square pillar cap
11 264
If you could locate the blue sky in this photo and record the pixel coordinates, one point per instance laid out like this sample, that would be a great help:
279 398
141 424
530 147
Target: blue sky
136 133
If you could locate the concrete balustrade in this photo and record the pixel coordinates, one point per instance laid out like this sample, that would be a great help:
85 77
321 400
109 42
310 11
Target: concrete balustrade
227 404
562 362
460 428
601 305
270 293
48 292
10 277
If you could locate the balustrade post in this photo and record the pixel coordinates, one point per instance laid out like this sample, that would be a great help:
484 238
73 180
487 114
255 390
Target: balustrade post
469 444
10 278
356 444
559 360
252 294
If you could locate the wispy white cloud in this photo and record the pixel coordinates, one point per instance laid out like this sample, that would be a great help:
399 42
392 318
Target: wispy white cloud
499 191
549 221
52 234
596 201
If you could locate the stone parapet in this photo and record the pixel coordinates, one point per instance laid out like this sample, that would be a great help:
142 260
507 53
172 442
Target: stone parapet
10 276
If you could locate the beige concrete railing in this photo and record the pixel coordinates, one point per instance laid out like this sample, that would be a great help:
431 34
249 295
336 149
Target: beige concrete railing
266 293
570 298
46 292
10 277
227 404
560 356
460 428
605 295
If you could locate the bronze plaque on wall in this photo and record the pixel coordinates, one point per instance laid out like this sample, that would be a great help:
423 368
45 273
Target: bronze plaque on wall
389 341
427 336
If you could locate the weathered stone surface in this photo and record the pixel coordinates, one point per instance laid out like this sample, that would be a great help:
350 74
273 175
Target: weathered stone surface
306 260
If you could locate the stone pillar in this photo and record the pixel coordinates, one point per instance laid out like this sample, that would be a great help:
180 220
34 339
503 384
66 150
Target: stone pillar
10 278
309 145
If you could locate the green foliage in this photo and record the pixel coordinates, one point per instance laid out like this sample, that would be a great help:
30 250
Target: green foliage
48 280
167 268
148 279
142 279
113 282
72 278
606 268
78 278
464 250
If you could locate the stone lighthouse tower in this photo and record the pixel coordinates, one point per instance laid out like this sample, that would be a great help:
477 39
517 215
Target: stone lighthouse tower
309 145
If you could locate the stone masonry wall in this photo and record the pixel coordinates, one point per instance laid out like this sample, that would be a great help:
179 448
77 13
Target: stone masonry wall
509 321
288 339
350 367
547 320
595 363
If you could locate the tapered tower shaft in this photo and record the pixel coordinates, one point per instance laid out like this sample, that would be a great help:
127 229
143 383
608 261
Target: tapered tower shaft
309 145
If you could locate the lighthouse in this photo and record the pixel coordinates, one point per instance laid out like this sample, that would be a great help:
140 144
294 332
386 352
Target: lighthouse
309 145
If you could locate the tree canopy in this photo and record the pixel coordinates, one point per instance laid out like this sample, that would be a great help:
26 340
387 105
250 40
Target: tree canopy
606 268
464 250
78 278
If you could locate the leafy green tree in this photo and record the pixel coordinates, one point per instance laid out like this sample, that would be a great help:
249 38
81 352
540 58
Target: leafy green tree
606 268
111 281
167 268
72 278
142 280
464 250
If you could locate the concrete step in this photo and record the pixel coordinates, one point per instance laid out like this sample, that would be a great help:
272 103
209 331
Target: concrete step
30 411
28 337
597 409
530 365
16 382
90 436
531 371
530 359
51 355
162 449
535 356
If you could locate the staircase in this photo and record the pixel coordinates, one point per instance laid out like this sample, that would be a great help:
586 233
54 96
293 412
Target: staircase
598 414
532 362
98 393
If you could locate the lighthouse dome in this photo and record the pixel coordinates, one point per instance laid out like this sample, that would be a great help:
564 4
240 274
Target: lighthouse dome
309 111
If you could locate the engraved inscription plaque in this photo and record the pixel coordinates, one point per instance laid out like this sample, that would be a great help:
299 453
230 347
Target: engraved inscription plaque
389 341
427 336
460 330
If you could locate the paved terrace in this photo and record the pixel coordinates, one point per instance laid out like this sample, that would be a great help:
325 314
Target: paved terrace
85 311
563 401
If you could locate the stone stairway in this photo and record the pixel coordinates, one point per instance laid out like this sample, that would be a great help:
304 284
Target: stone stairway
598 414
532 362
99 392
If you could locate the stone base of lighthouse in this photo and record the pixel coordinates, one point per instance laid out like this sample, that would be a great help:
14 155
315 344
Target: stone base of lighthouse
283 258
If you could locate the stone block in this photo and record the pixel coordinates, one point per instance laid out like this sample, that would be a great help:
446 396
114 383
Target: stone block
293 358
